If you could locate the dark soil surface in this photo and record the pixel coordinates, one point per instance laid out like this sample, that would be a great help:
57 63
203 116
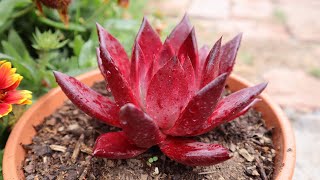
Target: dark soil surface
63 146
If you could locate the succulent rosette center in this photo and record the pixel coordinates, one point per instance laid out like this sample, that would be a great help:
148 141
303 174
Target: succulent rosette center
165 94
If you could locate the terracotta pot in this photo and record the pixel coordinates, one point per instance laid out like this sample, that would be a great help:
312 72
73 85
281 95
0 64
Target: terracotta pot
23 131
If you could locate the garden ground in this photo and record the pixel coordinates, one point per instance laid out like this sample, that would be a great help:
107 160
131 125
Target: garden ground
281 45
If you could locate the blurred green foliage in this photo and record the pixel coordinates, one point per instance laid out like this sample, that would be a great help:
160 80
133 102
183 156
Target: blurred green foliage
1 155
315 72
38 44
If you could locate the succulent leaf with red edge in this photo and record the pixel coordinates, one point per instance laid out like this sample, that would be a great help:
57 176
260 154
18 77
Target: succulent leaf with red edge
165 94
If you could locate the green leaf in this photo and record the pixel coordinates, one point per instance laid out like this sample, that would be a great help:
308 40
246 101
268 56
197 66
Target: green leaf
155 158
78 42
15 41
5 57
8 49
87 55
49 78
6 8
22 3
26 70
16 48
5 26
75 72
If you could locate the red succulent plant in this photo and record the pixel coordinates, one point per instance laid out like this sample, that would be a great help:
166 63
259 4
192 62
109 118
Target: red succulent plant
167 93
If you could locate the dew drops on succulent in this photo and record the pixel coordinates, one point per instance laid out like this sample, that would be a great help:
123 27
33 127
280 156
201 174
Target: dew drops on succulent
165 94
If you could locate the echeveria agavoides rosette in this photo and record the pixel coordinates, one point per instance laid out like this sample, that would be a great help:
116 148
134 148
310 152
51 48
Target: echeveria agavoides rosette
165 94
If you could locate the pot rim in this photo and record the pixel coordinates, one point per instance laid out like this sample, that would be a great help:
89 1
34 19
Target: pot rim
12 163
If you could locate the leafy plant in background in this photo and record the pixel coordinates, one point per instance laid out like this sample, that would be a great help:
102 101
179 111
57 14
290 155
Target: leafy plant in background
172 92
38 43
37 71
55 46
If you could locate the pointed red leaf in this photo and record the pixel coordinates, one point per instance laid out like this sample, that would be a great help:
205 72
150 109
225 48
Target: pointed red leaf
120 89
145 84
211 64
237 101
137 69
115 145
228 54
89 101
149 42
203 54
232 105
115 49
167 94
99 61
189 51
140 129
199 108
166 53
189 48
190 75
193 153
245 110
179 33
101 68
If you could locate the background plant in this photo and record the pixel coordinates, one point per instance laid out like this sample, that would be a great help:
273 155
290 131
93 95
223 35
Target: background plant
24 33
37 44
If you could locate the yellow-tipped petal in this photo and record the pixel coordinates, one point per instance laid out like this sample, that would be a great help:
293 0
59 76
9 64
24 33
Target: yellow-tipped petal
16 84
2 61
13 70
9 81
27 102
7 75
18 97
5 109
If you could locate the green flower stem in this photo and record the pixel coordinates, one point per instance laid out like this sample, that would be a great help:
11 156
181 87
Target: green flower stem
44 59
59 25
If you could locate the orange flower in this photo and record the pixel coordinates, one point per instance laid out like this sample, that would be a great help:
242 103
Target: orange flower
9 81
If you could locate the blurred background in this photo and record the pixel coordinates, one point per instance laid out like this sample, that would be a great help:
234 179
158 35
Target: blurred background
281 45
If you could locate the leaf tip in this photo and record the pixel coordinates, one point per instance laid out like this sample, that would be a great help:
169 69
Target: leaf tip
59 75
262 86
185 17
238 38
